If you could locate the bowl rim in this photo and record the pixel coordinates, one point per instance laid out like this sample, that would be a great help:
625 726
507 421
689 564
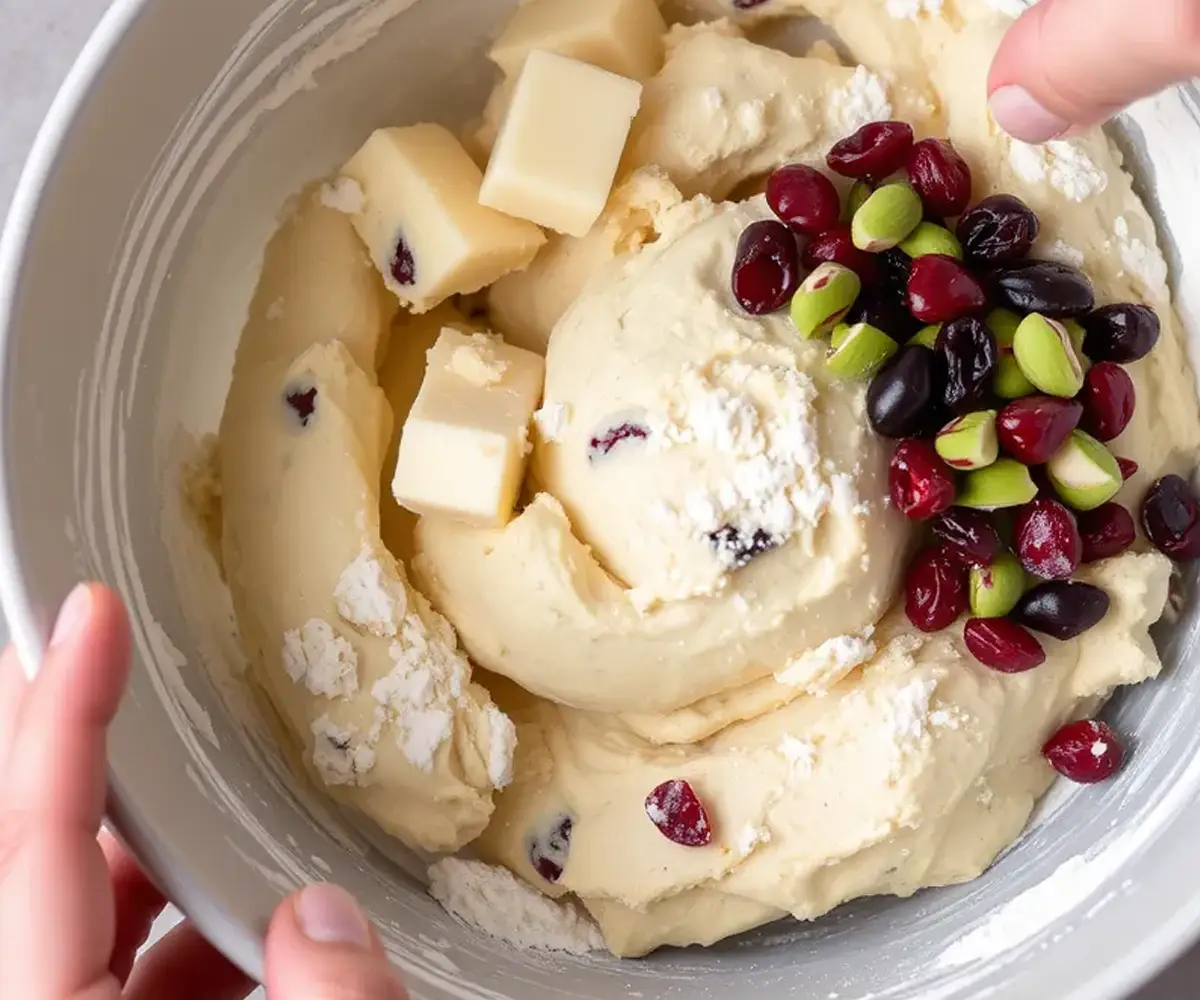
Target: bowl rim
241 943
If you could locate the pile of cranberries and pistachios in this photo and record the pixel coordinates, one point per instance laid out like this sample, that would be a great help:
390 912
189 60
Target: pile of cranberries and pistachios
998 376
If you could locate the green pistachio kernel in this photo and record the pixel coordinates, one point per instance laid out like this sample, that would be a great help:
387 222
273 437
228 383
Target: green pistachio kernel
996 589
860 191
969 442
929 237
1047 357
1077 333
1004 483
1009 381
823 299
886 217
1084 473
863 349
1003 323
926 336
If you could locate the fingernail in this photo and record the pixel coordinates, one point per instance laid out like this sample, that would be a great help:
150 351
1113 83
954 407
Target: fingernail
1021 116
328 914
71 615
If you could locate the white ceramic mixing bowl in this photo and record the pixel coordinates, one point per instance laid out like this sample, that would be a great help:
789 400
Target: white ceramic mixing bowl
124 276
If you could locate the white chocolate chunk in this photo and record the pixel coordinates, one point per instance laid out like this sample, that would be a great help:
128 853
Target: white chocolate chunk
466 441
557 153
421 219
621 36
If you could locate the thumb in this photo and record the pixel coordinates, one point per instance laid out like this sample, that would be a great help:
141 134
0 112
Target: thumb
1069 64
320 946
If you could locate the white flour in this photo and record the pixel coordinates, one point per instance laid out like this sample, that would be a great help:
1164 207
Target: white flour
369 597
864 99
322 660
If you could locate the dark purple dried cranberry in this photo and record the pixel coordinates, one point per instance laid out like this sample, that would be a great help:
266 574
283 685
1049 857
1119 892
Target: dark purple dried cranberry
548 848
766 268
875 150
999 229
905 397
679 814
1044 286
969 534
935 590
940 288
895 266
968 349
1171 517
1046 539
736 548
404 267
1122 333
748 4
836 245
611 437
803 198
1002 645
303 401
1106 531
883 313
1108 400
1087 751
1062 609
940 176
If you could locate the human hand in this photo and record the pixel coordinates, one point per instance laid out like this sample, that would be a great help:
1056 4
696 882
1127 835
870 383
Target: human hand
1066 65
75 909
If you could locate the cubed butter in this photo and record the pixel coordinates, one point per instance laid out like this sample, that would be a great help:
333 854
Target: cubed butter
621 36
558 150
465 443
422 222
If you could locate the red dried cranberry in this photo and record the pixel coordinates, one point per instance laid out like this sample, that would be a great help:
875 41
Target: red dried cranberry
968 534
875 150
1128 468
1171 517
1061 608
1003 645
969 359
303 401
1087 751
836 245
1047 539
1044 286
1033 429
907 390
940 176
935 590
1123 333
548 848
611 437
919 482
1108 400
736 548
1107 531
766 269
997 230
679 815
804 198
403 267
940 288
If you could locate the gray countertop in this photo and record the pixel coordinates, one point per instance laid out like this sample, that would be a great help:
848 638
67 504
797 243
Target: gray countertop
38 41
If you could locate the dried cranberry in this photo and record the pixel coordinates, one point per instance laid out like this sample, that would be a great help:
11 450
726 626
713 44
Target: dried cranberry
1087 751
1044 286
999 229
940 176
1003 645
940 288
1046 539
679 815
875 150
803 198
611 437
969 354
895 266
969 534
748 4
1128 468
884 314
1033 429
736 548
919 482
1108 400
836 245
766 268
1120 333
935 590
1062 609
548 848
905 392
1107 531
1171 517
403 267
303 401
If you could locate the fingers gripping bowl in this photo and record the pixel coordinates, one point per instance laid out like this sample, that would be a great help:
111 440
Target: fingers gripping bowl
178 200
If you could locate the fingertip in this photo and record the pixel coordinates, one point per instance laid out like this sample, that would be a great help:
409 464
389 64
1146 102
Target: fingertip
90 647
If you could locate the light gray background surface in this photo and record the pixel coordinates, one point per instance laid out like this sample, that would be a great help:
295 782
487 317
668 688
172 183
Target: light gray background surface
38 41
